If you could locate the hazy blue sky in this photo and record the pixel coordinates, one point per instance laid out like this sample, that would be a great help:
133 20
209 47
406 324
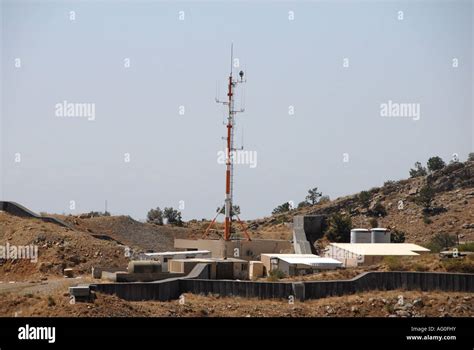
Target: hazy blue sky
177 63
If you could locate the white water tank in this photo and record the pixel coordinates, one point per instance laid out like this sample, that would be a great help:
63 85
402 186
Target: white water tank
380 235
360 235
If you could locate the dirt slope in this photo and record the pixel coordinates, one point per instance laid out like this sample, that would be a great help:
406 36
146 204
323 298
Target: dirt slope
129 232
380 304
58 248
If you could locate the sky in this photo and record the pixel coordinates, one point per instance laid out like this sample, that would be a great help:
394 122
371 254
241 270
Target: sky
318 74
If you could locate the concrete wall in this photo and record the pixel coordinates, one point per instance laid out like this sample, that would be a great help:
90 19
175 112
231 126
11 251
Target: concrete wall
19 210
171 289
255 269
162 290
246 250
262 290
307 229
97 271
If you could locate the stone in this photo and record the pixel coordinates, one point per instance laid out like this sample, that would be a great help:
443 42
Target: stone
418 303
403 313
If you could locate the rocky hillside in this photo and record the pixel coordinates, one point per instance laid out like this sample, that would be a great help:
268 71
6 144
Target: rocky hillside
58 248
453 202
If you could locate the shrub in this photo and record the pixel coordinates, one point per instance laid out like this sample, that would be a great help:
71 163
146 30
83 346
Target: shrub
441 241
466 247
465 265
364 199
275 275
420 267
373 223
394 263
427 220
378 210
51 301
397 236
435 163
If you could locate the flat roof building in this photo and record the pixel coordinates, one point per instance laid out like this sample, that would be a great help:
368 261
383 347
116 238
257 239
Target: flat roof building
164 257
241 249
355 254
297 264
229 268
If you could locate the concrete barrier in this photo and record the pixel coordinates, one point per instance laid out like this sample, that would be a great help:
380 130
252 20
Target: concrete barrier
173 288
306 230
19 210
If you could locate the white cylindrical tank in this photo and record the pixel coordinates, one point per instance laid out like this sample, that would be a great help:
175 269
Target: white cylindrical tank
380 235
360 235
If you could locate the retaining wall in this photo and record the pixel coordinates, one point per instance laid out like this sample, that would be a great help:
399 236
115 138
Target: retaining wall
173 288
19 210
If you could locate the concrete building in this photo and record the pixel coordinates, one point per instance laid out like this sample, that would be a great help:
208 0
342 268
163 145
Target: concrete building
297 264
255 270
240 249
356 254
164 257
229 268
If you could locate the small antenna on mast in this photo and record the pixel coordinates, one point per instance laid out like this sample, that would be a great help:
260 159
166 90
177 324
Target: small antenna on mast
231 57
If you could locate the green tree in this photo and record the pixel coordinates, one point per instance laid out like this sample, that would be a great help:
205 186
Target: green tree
470 157
155 216
425 197
435 163
313 196
339 228
173 216
283 208
418 171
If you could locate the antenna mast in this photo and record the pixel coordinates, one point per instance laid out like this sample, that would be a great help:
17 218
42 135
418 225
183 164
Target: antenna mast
229 174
